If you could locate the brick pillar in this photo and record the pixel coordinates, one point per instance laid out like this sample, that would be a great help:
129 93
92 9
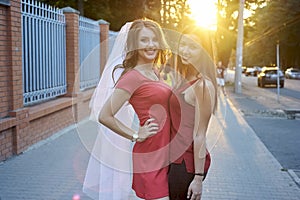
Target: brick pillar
15 48
72 50
5 62
20 136
104 43
16 109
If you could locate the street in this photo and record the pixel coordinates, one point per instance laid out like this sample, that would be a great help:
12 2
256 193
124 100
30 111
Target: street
262 109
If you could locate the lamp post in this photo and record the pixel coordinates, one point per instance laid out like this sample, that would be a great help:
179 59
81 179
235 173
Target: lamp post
239 50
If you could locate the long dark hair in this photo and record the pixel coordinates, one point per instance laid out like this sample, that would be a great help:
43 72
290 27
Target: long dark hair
206 66
131 49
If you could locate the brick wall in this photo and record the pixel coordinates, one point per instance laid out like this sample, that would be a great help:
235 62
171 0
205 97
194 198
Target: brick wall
5 63
42 128
21 127
6 144
15 44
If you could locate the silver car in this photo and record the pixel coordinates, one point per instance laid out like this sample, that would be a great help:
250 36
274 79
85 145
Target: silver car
292 73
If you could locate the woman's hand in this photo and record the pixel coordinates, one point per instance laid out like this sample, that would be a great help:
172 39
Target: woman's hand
148 129
195 189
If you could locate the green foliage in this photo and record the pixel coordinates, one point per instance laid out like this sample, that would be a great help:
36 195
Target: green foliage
277 22
60 3
152 10
124 11
97 9
118 12
226 34
175 14
226 29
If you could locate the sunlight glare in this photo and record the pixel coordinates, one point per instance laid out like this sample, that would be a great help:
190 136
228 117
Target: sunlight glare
204 13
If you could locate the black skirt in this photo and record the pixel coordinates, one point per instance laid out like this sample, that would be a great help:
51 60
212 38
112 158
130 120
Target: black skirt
179 181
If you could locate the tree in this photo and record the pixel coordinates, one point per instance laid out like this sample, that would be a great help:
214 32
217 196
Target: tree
97 9
227 26
171 14
279 22
175 14
116 12
60 3
152 10
94 9
124 11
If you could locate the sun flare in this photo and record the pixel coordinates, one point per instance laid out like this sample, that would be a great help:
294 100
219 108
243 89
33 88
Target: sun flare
204 12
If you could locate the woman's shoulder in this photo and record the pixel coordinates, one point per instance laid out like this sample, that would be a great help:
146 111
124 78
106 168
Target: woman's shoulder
130 77
131 73
129 81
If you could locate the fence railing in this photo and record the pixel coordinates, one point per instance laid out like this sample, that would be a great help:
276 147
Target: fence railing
44 51
89 45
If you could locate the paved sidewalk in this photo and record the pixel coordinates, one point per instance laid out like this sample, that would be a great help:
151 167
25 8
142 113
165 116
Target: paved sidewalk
242 167
53 169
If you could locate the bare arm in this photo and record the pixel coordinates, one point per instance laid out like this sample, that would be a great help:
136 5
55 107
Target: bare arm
203 110
204 102
108 119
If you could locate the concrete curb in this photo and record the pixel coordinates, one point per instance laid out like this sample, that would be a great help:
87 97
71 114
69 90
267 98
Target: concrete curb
294 176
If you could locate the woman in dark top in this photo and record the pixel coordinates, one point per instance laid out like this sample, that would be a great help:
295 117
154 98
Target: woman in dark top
192 103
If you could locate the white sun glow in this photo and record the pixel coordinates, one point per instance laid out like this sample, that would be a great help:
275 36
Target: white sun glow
204 12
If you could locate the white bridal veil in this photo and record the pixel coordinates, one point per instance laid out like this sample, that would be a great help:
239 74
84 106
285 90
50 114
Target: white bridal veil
108 175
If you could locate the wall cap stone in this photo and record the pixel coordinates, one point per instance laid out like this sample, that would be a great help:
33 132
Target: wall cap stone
5 2
70 10
102 21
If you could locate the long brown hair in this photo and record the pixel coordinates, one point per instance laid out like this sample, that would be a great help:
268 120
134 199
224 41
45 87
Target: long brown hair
206 66
131 49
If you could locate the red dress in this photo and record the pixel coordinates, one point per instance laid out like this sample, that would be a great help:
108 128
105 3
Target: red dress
150 158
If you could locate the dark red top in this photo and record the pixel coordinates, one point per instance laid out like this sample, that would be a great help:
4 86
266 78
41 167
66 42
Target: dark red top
182 117
150 158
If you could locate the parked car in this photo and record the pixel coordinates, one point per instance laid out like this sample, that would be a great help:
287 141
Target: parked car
293 73
252 71
268 76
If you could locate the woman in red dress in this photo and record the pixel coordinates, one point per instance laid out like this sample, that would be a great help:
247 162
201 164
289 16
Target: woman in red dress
141 86
193 102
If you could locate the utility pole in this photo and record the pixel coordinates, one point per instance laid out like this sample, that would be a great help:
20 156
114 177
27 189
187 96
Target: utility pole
239 50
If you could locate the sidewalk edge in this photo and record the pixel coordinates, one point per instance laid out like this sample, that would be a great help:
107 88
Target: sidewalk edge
294 176
237 111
